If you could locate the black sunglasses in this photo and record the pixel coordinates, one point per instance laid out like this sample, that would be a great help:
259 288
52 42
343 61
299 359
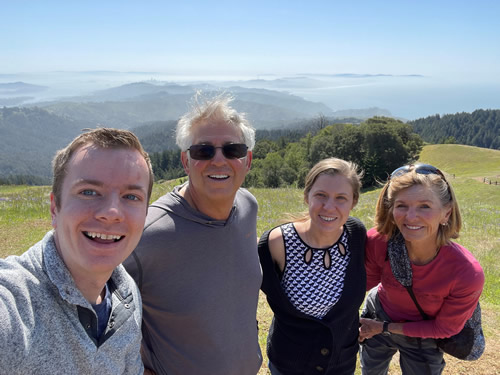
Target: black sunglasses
207 152
420 169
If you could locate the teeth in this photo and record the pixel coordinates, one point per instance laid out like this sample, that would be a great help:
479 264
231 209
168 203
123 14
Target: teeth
412 227
327 218
219 176
103 236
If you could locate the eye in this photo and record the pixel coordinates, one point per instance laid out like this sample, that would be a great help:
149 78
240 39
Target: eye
132 197
88 192
341 198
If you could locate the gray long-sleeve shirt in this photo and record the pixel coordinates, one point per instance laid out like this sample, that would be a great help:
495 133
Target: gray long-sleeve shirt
199 279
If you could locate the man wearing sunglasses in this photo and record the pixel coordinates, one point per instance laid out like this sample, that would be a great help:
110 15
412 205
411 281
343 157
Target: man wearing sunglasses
197 265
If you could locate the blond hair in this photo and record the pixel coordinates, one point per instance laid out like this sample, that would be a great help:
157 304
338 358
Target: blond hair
384 220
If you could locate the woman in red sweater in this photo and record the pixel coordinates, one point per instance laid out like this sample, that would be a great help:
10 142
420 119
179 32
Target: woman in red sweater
417 214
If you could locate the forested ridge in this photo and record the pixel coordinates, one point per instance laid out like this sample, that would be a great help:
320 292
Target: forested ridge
29 138
377 145
480 128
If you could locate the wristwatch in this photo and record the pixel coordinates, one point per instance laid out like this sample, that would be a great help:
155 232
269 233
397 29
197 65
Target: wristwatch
385 329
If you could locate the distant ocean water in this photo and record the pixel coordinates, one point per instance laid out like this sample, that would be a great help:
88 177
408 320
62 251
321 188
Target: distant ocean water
407 97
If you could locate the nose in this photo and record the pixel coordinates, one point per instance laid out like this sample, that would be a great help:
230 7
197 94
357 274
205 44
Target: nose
110 209
219 157
411 213
329 204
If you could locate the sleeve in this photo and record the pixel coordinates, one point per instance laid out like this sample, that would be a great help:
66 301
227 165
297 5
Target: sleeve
376 250
12 335
137 262
134 268
265 259
458 306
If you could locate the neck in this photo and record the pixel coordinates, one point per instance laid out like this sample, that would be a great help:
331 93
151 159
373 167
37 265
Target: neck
317 238
218 210
422 255
93 290
90 285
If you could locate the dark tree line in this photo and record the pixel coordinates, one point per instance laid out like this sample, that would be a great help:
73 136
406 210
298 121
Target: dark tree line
27 179
378 146
480 128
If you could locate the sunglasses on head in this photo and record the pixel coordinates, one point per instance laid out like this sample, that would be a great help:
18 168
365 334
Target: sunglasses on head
420 169
207 152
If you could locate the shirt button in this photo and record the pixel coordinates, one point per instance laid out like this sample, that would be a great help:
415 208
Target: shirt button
127 306
111 324
325 351
319 368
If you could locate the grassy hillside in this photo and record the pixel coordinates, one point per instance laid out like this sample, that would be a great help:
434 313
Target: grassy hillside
464 161
24 218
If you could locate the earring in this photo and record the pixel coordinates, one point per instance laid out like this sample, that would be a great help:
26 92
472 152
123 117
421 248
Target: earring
444 224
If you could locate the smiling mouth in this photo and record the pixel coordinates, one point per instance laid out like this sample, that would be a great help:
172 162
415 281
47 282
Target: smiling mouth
412 227
218 177
102 236
327 218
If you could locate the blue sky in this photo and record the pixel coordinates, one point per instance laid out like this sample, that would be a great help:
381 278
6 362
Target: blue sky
433 38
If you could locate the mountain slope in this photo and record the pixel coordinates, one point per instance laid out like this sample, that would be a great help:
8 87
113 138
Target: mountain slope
29 138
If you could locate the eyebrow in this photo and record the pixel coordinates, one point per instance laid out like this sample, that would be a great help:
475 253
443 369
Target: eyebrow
98 183
336 194
418 201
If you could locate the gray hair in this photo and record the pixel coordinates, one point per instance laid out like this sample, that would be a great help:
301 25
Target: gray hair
214 109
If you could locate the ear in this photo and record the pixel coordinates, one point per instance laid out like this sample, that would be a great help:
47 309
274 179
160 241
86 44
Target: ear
185 161
448 213
249 160
53 210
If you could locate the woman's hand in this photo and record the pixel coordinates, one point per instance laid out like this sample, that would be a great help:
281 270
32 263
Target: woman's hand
369 328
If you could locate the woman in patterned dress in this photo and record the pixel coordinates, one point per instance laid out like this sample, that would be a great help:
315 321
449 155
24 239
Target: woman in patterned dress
314 277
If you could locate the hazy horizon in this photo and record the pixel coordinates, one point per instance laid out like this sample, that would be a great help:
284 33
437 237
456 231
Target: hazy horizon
406 97
432 56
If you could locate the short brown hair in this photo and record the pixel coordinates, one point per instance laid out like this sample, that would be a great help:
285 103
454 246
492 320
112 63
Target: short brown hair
384 220
100 137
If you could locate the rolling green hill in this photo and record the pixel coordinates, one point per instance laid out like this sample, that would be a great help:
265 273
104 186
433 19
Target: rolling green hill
465 161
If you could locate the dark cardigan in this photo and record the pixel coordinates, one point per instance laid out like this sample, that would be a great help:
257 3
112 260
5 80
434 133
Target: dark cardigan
301 344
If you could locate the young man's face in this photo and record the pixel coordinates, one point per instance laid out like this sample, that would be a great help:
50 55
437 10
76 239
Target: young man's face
102 210
219 178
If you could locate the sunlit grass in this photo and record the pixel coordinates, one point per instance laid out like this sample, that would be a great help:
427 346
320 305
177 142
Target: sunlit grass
24 219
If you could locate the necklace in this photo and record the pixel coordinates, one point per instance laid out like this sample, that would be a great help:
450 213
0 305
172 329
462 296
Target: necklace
419 262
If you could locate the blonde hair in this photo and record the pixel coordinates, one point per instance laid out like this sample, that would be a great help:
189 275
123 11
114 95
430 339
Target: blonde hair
384 220
331 167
